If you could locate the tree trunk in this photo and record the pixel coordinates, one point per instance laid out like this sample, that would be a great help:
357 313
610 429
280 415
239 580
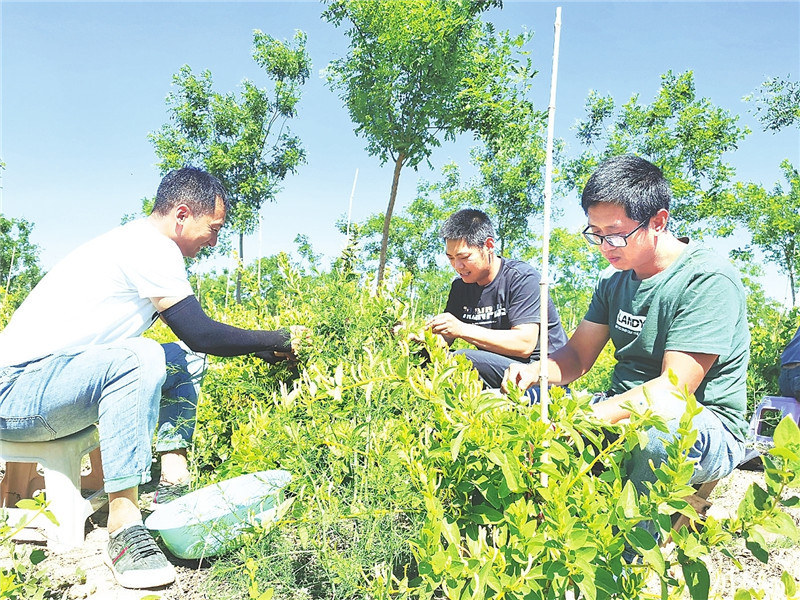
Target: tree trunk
398 165
788 256
239 269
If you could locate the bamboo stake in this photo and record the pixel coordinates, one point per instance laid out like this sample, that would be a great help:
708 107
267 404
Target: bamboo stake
548 185
544 295
350 207
11 268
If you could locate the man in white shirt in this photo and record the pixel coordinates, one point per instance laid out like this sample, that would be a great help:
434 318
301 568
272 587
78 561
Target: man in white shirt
73 355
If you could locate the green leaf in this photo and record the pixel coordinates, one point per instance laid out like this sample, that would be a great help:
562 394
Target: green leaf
628 503
789 585
791 502
786 433
697 579
451 533
782 524
754 542
643 542
785 453
455 445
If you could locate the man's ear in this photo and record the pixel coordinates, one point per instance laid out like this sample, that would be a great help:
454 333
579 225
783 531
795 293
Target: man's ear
489 244
659 220
182 212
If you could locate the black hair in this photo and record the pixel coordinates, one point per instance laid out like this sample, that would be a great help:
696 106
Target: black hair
631 182
471 225
191 186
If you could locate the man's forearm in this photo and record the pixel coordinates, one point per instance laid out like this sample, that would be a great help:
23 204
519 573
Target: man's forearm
509 342
658 394
202 334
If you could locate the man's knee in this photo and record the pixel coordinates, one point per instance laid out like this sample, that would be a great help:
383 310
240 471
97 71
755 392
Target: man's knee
145 357
490 366
180 359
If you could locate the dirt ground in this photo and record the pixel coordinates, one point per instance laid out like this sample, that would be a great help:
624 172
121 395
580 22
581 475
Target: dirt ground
82 574
726 578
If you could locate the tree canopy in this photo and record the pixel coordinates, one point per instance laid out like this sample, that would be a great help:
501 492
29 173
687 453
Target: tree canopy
419 72
242 139
686 136
777 103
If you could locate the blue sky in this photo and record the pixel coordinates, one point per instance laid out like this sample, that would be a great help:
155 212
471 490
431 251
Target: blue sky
82 84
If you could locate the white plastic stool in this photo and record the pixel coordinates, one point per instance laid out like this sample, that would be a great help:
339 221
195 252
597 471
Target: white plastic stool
61 462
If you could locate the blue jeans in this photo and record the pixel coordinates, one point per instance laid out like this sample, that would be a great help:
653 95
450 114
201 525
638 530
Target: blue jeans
789 380
119 386
490 365
715 453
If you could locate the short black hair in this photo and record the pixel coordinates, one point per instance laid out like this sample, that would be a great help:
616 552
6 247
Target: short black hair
469 224
194 187
631 182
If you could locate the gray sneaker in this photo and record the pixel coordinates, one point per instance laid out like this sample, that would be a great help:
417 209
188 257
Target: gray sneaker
137 561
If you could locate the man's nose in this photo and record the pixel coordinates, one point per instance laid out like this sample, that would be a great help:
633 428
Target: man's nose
604 241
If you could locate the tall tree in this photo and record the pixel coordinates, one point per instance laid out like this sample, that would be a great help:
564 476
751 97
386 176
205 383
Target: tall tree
243 139
773 220
417 72
508 187
682 134
413 238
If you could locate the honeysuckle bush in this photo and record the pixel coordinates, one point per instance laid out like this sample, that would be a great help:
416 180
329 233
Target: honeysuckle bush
409 480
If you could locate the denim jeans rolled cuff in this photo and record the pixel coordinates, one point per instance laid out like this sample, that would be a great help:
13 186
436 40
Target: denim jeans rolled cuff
119 484
179 395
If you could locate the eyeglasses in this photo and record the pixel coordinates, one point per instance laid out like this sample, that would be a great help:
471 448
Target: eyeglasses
615 240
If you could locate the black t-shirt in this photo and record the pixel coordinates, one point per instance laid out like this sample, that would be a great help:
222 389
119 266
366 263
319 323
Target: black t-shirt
512 298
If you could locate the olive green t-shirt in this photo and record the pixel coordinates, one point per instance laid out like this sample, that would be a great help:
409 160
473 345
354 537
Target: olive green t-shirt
696 305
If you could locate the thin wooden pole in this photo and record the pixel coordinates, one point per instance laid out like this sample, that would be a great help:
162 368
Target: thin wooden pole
350 208
11 268
548 190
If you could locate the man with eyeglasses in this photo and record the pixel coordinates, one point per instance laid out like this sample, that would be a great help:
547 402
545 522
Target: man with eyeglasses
494 304
669 306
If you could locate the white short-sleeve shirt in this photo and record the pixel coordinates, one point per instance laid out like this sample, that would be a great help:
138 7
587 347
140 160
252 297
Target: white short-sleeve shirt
100 293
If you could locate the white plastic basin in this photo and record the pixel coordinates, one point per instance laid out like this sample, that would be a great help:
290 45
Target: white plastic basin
206 522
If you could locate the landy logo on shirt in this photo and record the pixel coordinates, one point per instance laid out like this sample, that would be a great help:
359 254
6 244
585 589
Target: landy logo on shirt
629 323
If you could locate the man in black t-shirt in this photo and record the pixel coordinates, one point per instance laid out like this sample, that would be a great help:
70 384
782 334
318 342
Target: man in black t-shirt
494 304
